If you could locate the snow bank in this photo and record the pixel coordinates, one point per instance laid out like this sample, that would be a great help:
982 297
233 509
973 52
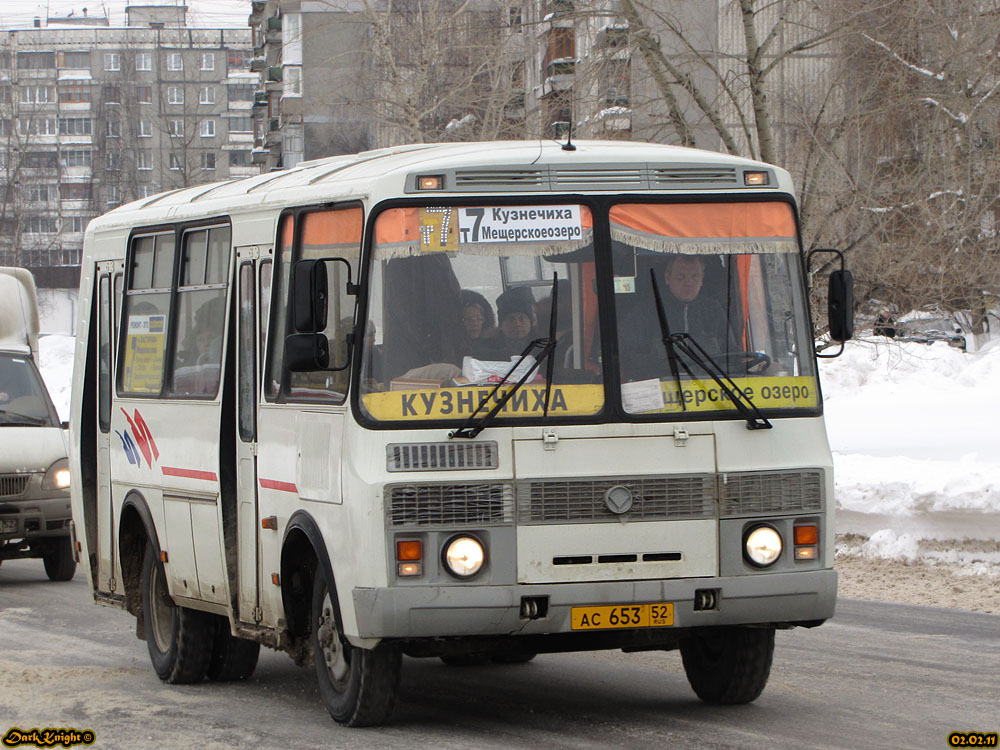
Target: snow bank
914 430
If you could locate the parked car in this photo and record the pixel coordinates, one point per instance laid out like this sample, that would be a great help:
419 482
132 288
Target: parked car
35 516
935 327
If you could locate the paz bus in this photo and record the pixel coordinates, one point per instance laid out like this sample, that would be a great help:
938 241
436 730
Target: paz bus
452 401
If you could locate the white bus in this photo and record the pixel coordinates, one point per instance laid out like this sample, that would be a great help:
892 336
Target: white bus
471 401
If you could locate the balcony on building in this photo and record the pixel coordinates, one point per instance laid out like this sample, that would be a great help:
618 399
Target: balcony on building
559 75
611 36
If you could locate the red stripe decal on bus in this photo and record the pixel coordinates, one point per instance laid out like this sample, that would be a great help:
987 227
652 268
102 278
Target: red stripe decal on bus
274 484
170 471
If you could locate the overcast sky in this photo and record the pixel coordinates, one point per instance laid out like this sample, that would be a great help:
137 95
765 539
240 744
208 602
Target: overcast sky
21 13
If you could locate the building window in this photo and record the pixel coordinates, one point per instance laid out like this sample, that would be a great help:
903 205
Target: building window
111 94
175 95
175 128
75 191
208 61
208 160
74 126
176 161
175 61
113 161
293 80
144 160
37 94
238 58
207 129
39 160
75 60
41 225
207 95
145 129
241 93
74 93
144 94
114 129
78 223
77 158
239 158
40 193
112 61
38 126
36 60
143 61
144 191
114 195
240 124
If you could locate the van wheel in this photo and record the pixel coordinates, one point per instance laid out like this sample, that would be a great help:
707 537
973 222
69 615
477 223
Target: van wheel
728 665
58 560
179 639
232 658
358 685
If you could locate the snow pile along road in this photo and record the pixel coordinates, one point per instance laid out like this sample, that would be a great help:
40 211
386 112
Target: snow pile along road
914 430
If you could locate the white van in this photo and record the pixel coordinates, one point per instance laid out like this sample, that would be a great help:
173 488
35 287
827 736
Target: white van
35 513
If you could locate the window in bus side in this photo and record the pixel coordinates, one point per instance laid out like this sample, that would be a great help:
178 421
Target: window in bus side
328 233
201 312
147 308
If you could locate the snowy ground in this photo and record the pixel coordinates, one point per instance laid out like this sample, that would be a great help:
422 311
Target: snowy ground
915 431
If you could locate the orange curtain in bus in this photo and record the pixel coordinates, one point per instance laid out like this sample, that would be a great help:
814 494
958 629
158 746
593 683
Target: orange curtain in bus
339 230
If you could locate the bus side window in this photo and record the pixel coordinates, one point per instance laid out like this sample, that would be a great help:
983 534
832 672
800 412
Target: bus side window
201 313
147 307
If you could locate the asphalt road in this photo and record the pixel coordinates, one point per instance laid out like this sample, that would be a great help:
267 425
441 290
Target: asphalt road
876 676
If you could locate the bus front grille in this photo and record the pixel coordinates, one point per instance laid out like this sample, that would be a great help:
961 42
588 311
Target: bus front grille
476 503
770 492
441 456
13 485
653 499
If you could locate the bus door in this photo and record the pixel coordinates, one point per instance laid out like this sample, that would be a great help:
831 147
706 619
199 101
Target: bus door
254 289
109 283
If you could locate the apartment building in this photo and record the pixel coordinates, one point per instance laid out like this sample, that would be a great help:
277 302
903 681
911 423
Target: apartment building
92 116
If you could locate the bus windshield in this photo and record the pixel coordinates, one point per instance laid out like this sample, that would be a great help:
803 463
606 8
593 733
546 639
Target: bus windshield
458 294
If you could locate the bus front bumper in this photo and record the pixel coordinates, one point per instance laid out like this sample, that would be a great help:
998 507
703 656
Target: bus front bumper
455 611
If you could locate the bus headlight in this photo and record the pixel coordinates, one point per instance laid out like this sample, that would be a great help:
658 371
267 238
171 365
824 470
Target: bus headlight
762 546
464 556
57 477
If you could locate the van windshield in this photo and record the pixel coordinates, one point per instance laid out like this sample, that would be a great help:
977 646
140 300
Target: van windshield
23 399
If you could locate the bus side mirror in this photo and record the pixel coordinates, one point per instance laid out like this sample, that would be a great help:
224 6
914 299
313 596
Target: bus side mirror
840 305
309 296
307 352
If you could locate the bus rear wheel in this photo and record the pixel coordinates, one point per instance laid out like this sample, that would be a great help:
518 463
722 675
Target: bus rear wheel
728 665
233 658
358 686
179 639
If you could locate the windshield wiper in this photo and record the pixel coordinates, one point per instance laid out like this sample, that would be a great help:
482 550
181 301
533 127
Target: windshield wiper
29 421
472 427
688 346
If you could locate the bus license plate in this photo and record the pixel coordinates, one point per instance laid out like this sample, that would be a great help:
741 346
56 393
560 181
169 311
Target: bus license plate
658 615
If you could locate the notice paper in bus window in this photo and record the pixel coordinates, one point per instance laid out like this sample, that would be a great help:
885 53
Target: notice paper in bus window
144 350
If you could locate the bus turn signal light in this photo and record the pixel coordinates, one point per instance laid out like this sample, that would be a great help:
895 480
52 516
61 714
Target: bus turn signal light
806 535
409 550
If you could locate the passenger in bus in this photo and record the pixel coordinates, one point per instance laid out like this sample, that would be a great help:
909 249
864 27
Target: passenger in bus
478 324
516 312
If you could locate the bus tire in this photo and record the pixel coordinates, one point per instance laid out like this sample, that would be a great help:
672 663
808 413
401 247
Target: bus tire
179 639
358 686
233 658
728 665
58 560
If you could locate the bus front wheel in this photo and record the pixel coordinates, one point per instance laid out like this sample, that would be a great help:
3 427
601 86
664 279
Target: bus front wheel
179 639
728 665
358 685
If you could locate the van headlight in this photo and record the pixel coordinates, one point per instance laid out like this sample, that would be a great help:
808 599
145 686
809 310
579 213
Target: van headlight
57 477
464 556
762 546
